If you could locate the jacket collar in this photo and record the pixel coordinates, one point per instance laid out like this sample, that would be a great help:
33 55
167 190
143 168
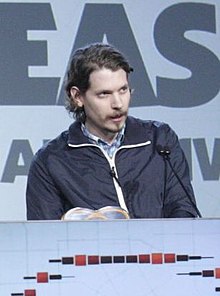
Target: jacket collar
135 133
75 135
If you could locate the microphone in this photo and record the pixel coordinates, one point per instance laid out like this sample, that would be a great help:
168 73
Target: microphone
165 153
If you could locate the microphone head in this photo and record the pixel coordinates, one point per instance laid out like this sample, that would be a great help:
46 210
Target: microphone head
163 150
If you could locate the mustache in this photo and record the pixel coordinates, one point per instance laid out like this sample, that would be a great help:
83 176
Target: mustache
118 114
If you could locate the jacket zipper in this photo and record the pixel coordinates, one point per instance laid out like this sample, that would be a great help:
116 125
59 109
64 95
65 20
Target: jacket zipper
113 171
113 174
117 184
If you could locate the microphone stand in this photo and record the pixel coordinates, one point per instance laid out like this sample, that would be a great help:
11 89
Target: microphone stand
165 153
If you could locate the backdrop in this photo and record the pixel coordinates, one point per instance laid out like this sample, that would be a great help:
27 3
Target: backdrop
172 45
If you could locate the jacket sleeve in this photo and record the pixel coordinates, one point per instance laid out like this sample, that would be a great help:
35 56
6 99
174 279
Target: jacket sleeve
43 200
176 201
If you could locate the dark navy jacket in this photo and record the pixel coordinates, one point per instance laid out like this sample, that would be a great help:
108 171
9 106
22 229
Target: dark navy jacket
71 172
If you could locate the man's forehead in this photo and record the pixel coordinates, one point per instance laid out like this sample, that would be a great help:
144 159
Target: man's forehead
105 78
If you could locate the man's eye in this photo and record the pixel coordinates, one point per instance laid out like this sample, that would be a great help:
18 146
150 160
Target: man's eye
123 89
103 94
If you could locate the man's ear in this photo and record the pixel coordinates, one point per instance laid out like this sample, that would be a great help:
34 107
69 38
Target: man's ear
76 96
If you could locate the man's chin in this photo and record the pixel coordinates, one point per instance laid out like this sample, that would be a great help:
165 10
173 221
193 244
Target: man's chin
115 129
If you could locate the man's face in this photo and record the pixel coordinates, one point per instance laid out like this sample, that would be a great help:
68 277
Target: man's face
106 102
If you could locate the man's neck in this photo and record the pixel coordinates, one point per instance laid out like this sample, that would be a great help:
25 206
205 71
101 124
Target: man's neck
109 139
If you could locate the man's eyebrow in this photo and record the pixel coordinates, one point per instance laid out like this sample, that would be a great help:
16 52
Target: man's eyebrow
107 90
103 90
125 85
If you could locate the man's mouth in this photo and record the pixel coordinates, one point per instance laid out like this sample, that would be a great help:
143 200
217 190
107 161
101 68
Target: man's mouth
117 117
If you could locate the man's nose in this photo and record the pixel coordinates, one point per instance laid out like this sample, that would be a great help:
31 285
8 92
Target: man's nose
116 101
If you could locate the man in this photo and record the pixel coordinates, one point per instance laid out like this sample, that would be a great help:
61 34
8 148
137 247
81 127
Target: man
108 158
